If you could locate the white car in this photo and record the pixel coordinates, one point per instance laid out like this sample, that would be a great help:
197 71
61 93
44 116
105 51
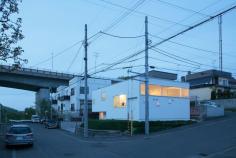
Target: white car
35 119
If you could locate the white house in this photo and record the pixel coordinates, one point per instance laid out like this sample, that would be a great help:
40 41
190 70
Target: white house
169 100
77 93
70 99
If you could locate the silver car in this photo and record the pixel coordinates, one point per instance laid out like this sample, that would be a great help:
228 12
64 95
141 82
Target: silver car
19 135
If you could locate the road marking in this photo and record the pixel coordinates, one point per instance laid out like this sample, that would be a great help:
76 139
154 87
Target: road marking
13 153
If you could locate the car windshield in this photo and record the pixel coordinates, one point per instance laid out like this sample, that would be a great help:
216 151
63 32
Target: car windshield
19 130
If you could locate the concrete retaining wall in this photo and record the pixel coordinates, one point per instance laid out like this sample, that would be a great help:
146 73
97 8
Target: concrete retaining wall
226 103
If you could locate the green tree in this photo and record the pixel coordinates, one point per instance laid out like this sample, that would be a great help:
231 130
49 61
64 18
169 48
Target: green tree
10 32
44 107
29 112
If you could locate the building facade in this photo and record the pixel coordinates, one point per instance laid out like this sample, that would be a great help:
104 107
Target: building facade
168 100
210 84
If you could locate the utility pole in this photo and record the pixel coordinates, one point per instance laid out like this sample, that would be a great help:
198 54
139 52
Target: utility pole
220 43
146 80
85 109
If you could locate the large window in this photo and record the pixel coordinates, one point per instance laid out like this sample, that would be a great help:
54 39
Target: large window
120 101
153 90
156 90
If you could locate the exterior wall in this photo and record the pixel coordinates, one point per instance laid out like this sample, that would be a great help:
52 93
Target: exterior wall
160 107
201 93
93 84
63 91
129 88
226 103
166 108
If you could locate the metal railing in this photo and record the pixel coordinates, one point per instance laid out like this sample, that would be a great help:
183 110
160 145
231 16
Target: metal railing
41 71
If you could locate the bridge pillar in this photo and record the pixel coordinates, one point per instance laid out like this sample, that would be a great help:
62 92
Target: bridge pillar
42 94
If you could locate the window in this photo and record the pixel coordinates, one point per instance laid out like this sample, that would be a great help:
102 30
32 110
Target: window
153 90
157 90
82 90
173 91
103 96
120 101
184 92
72 107
72 91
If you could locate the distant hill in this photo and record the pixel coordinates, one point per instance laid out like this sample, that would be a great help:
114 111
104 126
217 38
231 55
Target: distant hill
7 113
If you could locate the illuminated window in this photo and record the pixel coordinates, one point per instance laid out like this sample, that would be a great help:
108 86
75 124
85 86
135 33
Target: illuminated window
157 90
120 101
185 92
173 92
153 90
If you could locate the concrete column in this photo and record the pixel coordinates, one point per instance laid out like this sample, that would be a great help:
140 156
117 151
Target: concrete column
42 94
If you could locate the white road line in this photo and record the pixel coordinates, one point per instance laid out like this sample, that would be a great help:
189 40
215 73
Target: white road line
13 153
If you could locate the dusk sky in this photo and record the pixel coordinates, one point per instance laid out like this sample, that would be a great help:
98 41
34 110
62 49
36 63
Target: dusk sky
52 26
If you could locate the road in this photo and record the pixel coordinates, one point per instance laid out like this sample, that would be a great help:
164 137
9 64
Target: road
215 138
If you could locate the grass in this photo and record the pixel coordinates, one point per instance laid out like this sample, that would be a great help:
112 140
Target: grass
138 127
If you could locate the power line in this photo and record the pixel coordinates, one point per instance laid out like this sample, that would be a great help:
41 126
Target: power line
188 46
57 54
121 36
173 63
183 8
75 57
143 13
188 17
178 58
120 18
167 39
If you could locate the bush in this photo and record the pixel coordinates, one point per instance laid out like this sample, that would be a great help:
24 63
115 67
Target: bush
138 127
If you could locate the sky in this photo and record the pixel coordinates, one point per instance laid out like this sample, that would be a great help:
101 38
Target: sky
53 29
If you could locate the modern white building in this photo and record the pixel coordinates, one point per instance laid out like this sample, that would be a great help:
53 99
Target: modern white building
70 99
168 100
77 93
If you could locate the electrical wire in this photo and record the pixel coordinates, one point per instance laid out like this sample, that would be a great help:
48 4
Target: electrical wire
183 8
188 17
75 57
121 36
143 13
192 47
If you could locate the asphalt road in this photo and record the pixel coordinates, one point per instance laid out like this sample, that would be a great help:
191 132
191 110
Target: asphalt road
215 138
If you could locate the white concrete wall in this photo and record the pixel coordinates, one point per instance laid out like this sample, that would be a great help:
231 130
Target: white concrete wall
93 84
161 108
166 108
129 88
201 93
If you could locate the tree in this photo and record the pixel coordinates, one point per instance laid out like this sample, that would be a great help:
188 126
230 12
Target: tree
10 32
44 107
29 112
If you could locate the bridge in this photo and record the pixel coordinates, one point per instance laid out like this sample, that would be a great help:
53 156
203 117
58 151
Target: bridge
39 81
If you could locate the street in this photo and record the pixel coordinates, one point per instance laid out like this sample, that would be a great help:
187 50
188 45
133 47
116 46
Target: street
214 138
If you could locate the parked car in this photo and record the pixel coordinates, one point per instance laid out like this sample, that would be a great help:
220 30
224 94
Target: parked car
43 120
35 119
19 135
50 124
